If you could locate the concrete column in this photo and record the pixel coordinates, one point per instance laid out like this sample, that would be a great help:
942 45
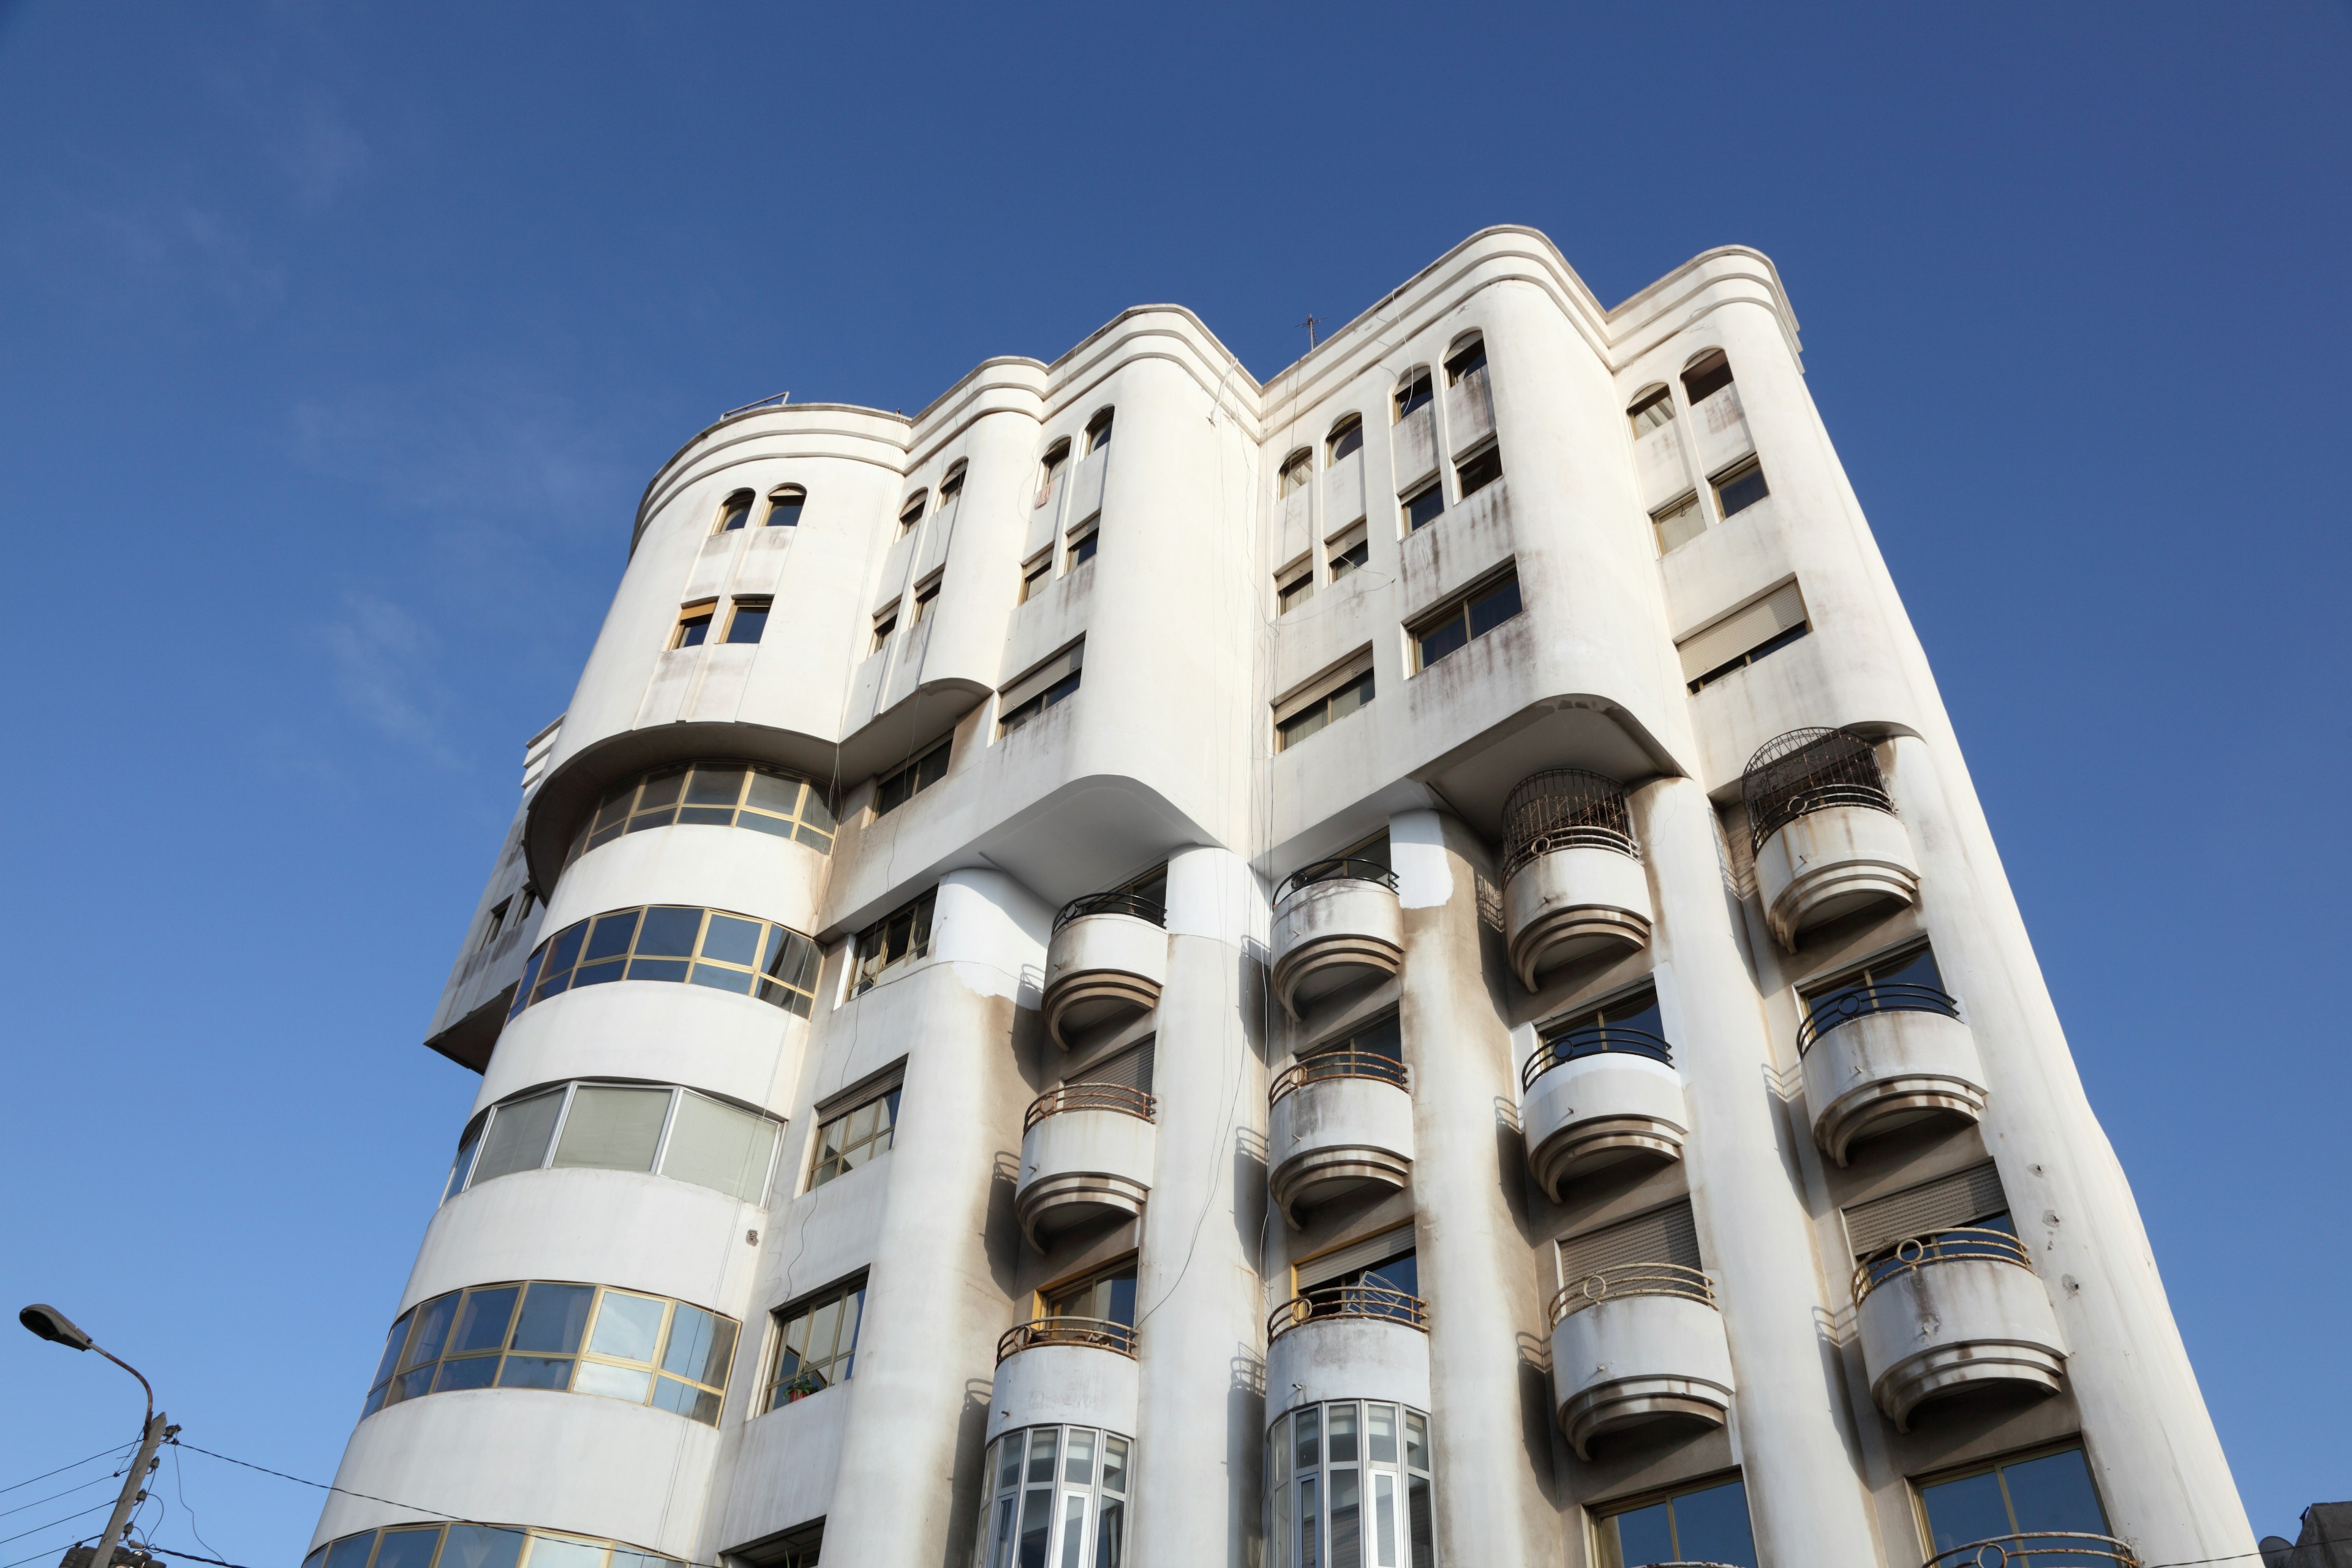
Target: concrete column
1201 1414
2158 1462
934 1303
1803 1471
1490 1424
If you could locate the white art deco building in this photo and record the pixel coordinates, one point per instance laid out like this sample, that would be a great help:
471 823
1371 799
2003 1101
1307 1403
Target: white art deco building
1393 967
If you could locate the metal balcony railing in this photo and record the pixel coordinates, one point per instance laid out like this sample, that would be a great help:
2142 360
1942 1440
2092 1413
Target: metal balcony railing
2039 1549
1589 1040
1845 1006
1325 1065
1327 1303
1953 1245
1807 771
1133 904
1338 868
1565 808
1116 1097
1633 1279
1094 1333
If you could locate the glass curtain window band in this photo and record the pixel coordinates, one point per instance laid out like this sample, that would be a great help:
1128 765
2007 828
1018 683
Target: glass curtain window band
714 794
479 1546
664 1130
1054 1496
560 1337
1348 1486
676 942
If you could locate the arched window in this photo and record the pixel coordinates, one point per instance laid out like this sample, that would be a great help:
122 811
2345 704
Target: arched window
1296 471
735 513
1346 440
952 486
911 512
1099 432
1469 355
784 507
1653 410
1707 376
1049 472
1414 391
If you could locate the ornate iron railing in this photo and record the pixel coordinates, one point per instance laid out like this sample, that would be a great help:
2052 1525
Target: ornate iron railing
1134 904
1590 1040
1956 1245
1633 1279
1326 1302
1565 808
1095 1333
1807 771
1325 1065
1845 1006
1116 1097
1338 868
2039 1549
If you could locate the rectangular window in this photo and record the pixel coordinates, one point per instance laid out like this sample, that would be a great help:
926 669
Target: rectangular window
1743 637
885 623
1323 700
900 938
1741 487
1347 550
904 785
1035 575
1082 543
817 1343
1423 506
1043 686
694 624
1667 1235
1479 469
927 598
2023 1495
749 621
1293 586
1705 1524
1970 1199
848 1137
497 924
1474 615
1679 523
1108 1296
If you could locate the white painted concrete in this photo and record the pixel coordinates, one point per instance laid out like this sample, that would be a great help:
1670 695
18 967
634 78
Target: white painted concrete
1633 1361
1957 1324
1881 1071
1075 1385
1596 1112
1830 863
1346 1358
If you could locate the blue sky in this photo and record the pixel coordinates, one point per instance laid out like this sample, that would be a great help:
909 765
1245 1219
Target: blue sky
338 345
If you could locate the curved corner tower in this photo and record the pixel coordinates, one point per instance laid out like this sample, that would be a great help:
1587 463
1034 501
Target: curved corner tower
1393 967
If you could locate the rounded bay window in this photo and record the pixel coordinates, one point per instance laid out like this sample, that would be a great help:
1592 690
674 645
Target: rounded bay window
675 943
479 1546
1049 1491
1350 1482
713 795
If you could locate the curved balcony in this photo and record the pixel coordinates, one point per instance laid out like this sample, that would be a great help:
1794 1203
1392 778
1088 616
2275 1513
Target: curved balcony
1880 1057
1598 1095
1342 1120
1086 1155
1076 1371
1827 841
1346 1342
1572 879
1638 1344
1951 1311
2043 1548
1106 963
1335 923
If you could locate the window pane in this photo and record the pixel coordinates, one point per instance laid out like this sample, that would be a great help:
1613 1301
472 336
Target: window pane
628 1327
393 1343
1742 491
1036 1527
466 1372
1310 1526
611 937
1384 1531
433 1321
350 1552
714 786
669 932
535 1371
1342 1444
1679 524
1347 1522
668 969
1074 1531
553 1551
2055 1492
739 981
408 1548
1480 471
1416 1441
1966 1510
773 792
1641 1535
1079 1459
553 1316
700 1345
1041 1453
1711 1526
685 1399
1494 607
459 1166
482 1546
1443 639
1424 1521
627 1382
1348 442
749 622
1309 1448
1114 1478
733 940
1110 1534
482 1326
739 512
784 511
1423 509
613 1129
716 1145
1379 1434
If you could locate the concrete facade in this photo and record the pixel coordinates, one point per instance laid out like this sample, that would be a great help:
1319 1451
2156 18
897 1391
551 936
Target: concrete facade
1181 630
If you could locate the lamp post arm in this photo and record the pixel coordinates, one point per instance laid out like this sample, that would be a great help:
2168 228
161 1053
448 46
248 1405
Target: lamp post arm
135 1372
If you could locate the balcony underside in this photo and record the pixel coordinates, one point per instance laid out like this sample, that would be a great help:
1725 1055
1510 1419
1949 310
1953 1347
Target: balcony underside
1890 1105
1625 1404
1960 1368
1304 1181
1563 936
1087 1001
1317 968
1596 1143
1052 1205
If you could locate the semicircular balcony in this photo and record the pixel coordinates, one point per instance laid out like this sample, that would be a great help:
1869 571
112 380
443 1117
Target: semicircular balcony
1952 1311
2055 1548
1638 1344
1573 886
1824 828
1881 1055
1346 1342
1600 1095
1072 1372
1087 1150
1336 924
1105 965
1341 1121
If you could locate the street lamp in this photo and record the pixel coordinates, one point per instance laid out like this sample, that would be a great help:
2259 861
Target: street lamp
54 1326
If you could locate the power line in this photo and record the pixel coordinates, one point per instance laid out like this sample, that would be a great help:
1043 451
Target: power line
53 1496
321 1485
67 1520
61 1469
189 1556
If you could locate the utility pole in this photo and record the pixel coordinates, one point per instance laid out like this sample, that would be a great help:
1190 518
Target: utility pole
57 1328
